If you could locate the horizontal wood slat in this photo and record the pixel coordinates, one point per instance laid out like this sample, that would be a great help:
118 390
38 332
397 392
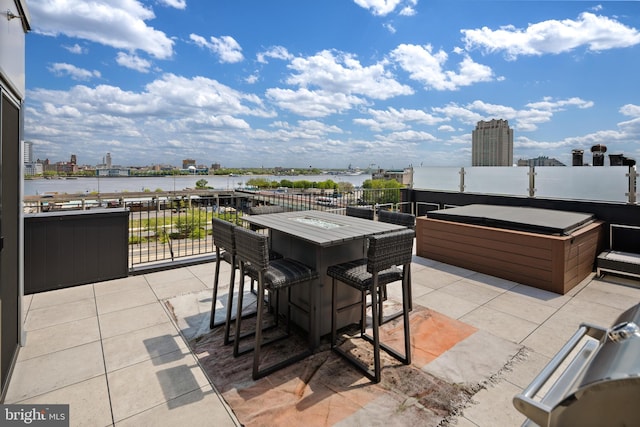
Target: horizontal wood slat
550 262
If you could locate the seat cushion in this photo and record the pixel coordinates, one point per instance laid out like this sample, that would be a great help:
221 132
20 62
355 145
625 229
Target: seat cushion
355 274
283 272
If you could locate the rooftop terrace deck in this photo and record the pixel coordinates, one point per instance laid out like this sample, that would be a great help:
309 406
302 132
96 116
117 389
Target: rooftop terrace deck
113 351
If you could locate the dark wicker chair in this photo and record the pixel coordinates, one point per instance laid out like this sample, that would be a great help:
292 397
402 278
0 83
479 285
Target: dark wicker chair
252 250
399 218
224 241
359 212
265 209
386 252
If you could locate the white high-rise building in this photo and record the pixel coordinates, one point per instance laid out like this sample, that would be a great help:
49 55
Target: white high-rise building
28 152
492 144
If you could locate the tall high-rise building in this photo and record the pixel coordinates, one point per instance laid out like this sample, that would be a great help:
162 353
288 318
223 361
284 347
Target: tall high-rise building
28 152
492 144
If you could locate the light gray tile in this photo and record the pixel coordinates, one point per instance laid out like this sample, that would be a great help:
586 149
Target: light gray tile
474 360
123 321
469 291
61 296
494 406
130 283
548 339
195 408
541 296
578 311
168 276
165 378
492 282
123 300
58 314
179 287
522 307
500 324
140 345
204 272
432 278
522 372
46 373
88 402
606 296
60 337
446 304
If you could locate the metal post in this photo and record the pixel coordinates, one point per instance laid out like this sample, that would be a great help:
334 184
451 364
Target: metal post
532 181
462 172
631 195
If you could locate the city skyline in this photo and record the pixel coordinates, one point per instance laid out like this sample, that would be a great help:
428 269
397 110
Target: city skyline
328 84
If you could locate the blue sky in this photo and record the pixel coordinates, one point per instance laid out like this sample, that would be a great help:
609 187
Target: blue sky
329 83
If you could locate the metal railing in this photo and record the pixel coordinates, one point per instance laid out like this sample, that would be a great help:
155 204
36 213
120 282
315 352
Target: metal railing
166 230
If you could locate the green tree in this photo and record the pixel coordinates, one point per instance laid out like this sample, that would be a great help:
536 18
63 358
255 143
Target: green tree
202 184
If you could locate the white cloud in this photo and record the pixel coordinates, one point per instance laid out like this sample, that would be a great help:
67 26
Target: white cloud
394 119
308 103
389 27
226 47
342 73
379 7
77 49
133 62
630 110
427 67
178 4
119 24
275 52
63 69
595 32
548 103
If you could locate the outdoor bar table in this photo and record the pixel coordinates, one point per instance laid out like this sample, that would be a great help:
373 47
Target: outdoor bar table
320 239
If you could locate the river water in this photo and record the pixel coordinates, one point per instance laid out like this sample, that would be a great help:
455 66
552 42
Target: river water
84 185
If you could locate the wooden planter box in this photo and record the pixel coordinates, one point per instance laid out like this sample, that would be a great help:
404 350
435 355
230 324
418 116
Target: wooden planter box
554 263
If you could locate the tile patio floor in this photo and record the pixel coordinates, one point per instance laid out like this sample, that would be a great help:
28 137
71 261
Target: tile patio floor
112 351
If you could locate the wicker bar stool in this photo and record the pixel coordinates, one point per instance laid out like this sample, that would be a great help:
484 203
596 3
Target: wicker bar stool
252 250
359 212
224 241
399 218
386 252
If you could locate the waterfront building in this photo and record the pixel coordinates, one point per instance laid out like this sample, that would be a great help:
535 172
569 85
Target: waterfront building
540 161
492 143
33 169
404 176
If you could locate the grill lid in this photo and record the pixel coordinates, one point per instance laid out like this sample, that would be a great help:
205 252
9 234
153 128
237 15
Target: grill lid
601 385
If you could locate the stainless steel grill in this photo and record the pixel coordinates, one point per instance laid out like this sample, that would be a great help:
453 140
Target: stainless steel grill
598 386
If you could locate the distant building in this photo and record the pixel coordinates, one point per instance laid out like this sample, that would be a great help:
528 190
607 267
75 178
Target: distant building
28 152
33 169
540 161
113 172
492 144
188 162
404 177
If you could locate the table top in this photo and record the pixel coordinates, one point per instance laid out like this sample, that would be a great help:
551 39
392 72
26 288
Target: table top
320 227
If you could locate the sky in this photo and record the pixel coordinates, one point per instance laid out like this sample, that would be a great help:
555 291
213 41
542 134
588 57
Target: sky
328 84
